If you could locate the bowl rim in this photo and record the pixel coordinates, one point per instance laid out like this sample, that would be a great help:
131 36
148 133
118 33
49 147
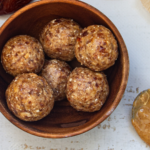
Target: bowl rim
123 84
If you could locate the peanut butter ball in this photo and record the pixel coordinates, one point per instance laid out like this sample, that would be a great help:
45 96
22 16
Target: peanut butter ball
87 90
29 97
96 48
56 73
22 54
59 37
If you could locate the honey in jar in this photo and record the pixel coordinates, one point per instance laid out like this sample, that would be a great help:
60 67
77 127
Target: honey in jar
141 115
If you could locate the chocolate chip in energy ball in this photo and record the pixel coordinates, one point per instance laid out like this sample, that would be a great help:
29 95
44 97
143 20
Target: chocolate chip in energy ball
96 48
58 38
22 54
87 90
56 73
29 97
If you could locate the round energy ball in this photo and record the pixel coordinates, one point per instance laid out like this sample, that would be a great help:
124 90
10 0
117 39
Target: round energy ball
87 90
59 37
96 48
22 54
56 73
29 97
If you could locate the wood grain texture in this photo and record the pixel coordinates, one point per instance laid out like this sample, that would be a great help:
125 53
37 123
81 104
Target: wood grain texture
64 121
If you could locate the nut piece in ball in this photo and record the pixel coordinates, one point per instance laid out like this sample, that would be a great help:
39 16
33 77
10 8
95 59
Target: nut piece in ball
59 37
96 48
87 90
141 115
56 73
22 54
29 97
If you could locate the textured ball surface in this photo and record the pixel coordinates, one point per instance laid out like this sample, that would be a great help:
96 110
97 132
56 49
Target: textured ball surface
96 48
56 73
22 54
59 37
29 97
87 90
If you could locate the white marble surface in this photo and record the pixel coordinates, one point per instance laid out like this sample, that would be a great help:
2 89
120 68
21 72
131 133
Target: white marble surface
115 133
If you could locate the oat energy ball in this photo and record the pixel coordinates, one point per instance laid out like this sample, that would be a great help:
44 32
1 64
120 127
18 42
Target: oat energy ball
96 48
29 97
87 90
56 73
22 54
59 37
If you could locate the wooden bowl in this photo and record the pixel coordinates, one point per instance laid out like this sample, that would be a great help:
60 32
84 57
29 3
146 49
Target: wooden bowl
63 121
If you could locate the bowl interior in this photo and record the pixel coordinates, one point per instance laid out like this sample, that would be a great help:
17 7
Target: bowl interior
63 121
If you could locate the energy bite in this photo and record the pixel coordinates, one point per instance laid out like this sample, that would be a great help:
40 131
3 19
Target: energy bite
56 73
96 48
87 90
22 54
29 97
59 37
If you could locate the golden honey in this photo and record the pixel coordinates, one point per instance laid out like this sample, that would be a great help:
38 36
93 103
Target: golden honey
141 115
